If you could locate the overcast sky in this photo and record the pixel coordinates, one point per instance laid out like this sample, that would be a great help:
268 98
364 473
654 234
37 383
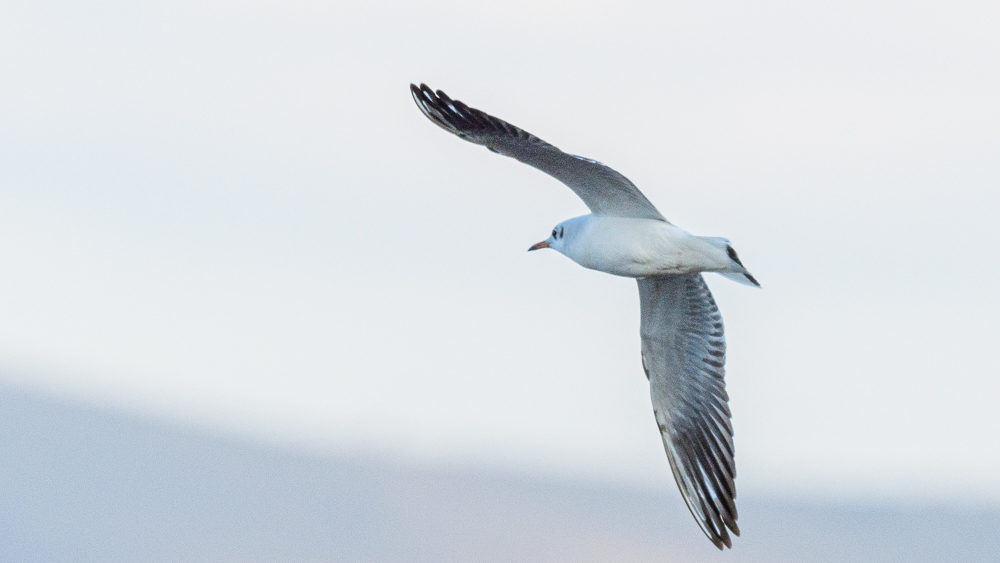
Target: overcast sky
231 214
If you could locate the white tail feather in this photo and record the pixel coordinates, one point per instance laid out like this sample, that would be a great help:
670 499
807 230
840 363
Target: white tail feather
738 277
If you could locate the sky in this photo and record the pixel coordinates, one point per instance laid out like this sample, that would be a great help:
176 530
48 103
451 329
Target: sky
231 215
83 483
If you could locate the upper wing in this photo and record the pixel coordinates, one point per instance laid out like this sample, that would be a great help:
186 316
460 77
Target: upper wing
684 353
604 191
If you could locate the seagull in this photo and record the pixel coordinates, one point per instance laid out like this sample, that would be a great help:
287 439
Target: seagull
683 345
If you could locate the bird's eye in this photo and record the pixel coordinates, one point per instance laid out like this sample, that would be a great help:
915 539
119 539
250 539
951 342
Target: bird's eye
553 233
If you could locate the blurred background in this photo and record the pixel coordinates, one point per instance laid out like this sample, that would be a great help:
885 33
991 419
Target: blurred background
255 307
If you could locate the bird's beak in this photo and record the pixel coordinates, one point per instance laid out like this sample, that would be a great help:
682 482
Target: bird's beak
543 244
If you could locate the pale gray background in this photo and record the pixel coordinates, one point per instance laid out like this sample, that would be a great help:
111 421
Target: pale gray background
79 484
231 216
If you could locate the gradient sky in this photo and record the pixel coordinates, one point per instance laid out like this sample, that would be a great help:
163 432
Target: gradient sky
231 214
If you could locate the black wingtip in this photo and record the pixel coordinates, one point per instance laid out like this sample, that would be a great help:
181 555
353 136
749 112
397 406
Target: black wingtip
423 95
721 541
724 540
417 90
470 123
451 115
735 258
732 255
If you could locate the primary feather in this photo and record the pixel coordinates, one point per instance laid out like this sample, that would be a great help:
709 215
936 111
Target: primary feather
604 191
684 354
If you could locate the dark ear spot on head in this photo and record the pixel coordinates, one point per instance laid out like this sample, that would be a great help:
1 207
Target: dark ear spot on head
732 255
560 232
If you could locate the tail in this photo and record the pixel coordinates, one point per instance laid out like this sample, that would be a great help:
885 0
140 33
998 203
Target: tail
744 278
740 275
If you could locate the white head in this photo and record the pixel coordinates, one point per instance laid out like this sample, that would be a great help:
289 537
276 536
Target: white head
561 235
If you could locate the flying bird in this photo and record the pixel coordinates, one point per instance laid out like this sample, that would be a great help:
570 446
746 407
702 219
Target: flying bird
683 345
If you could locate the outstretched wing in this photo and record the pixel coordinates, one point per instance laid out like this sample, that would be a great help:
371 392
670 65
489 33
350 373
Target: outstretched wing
684 353
605 191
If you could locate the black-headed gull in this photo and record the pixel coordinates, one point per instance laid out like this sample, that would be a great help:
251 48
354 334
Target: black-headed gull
683 346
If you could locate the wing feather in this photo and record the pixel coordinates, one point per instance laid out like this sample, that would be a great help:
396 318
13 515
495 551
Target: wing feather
604 191
684 354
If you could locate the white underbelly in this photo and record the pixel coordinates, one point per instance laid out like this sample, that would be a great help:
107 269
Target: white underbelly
639 248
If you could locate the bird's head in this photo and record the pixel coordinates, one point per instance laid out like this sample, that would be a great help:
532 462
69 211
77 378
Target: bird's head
557 240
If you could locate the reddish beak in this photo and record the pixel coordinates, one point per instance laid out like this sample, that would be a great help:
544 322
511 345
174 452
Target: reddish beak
543 244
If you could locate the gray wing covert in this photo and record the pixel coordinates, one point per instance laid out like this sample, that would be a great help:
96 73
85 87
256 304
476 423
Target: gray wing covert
684 354
604 191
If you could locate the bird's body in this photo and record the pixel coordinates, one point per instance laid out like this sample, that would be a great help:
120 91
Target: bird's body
683 346
639 248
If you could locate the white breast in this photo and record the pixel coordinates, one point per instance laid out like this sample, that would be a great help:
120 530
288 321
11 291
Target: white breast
638 248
